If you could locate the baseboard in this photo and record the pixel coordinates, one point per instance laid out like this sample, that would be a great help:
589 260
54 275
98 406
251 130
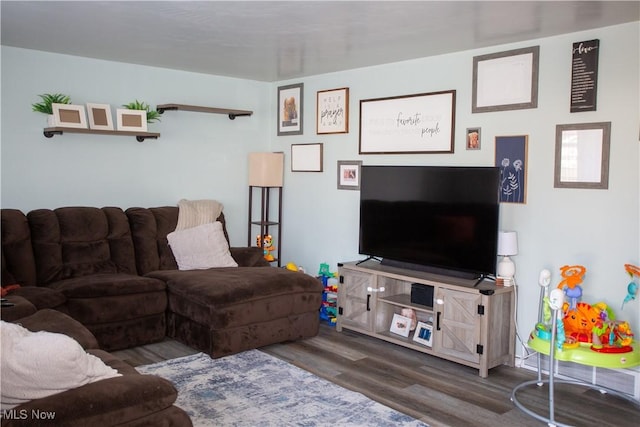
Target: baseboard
622 380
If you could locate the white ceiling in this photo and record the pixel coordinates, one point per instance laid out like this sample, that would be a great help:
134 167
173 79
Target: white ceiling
272 41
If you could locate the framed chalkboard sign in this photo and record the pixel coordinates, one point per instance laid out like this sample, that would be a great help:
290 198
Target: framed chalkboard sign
584 76
420 123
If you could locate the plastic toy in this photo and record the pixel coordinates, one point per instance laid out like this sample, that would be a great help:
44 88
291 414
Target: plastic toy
632 287
325 274
573 275
579 323
266 242
291 266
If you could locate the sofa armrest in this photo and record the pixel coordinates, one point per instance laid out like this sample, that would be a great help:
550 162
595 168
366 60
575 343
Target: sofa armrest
113 401
41 297
250 256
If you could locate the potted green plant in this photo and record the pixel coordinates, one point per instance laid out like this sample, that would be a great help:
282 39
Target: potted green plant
46 106
152 115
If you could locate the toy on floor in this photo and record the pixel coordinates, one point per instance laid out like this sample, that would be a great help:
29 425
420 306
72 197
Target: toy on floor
266 242
329 309
572 278
325 274
632 287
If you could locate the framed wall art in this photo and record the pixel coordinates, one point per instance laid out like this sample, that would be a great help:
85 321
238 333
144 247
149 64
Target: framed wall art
505 80
306 157
420 123
511 158
100 116
349 174
131 120
582 155
290 111
69 116
332 111
473 139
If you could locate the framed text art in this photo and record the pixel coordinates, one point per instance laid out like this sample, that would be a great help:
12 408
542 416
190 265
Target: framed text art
349 174
420 123
332 111
511 158
306 157
505 80
584 76
290 109
582 155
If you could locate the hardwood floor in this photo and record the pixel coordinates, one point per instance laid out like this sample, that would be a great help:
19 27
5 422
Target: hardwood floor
435 391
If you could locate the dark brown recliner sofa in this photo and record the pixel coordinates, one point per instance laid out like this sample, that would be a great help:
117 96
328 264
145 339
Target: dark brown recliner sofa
87 255
119 278
129 400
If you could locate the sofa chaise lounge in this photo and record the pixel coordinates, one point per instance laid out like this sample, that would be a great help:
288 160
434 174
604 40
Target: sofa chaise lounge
114 272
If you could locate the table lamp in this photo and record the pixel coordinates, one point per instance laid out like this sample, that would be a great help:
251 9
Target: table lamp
507 246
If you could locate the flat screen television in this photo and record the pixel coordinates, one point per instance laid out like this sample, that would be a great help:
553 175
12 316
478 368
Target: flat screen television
434 218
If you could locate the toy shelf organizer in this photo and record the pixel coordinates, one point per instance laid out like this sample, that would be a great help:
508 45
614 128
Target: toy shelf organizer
546 342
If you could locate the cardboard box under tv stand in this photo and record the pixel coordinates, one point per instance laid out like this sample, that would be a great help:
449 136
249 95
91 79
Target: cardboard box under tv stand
471 324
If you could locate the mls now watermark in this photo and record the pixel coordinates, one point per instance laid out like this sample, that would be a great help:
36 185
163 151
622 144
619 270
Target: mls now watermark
24 414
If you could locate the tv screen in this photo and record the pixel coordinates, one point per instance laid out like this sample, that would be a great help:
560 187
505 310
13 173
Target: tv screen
431 217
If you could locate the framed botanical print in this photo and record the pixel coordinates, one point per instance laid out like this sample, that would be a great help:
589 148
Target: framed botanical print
511 158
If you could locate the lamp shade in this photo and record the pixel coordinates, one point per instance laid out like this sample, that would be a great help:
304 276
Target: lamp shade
507 243
266 169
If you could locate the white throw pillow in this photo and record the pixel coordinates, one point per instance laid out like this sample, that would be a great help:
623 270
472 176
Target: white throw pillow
201 247
40 364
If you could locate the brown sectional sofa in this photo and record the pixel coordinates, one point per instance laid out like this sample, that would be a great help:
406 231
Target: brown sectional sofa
118 277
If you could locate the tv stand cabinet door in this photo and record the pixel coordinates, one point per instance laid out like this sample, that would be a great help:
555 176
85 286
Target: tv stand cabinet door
457 333
356 305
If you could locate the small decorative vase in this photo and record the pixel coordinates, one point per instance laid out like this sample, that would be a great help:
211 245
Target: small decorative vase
411 314
51 122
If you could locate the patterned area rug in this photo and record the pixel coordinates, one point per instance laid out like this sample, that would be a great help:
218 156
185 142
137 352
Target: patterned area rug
256 389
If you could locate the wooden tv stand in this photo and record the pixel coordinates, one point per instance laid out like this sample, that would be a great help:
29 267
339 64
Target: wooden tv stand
471 325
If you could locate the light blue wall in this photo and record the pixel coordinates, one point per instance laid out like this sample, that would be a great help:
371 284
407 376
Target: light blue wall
197 156
204 156
597 228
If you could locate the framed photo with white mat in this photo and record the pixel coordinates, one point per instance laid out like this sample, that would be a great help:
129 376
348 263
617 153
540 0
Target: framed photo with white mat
400 325
423 334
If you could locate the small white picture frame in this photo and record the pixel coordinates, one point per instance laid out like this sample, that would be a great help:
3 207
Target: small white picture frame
100 116
423 334
131 120
69 116
306 157
400 325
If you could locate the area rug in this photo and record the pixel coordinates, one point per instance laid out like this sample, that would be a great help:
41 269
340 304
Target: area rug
256 389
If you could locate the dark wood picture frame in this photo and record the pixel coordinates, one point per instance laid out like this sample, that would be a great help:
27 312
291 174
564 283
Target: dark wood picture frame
290 109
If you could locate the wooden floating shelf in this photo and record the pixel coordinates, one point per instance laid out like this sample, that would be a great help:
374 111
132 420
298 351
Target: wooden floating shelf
140 136
231 113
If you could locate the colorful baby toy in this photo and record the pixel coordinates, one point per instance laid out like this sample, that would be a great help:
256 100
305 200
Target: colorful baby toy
632 287
266 243
573 275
